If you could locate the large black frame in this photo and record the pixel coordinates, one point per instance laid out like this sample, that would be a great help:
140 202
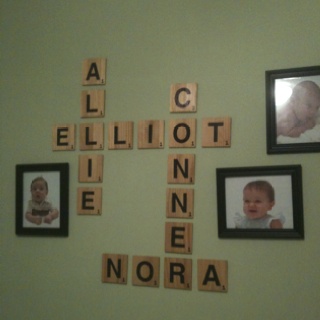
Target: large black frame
291 77
291 173
59 172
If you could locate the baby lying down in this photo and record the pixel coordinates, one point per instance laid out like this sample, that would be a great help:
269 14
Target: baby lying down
298 118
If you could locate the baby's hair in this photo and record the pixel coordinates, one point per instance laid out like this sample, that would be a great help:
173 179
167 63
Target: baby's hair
40 179
261 185
304 88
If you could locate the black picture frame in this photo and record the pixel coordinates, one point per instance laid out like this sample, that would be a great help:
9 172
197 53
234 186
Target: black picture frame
56 176
280 111
287 184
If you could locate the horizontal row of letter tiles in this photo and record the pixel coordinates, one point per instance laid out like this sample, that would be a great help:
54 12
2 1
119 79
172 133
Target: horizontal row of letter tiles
216 132
212 275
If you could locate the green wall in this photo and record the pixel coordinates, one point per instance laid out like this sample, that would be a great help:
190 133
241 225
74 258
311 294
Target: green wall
225 46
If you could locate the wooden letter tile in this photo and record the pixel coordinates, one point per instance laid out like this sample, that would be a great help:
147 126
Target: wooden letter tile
120 135
216 132
92 104
94 71
183 97
182 133
178 237
114 268
151 134
145 271
90 168
63 137
213 275
89 201
180 203
178 273
181 168
91 136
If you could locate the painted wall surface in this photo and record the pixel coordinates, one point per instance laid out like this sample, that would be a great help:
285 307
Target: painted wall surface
226 47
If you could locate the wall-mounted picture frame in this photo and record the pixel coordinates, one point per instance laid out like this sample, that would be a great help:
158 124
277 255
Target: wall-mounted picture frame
293 110
260 202
42 199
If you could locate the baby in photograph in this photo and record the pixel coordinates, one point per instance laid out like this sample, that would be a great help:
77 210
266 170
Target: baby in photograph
39 209
258 200
299 119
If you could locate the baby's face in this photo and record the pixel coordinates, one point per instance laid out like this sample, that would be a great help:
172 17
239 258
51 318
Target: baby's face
307 107
39 191
256 203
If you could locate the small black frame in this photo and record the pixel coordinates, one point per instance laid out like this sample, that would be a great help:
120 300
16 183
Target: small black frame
279 86
287 183
56 176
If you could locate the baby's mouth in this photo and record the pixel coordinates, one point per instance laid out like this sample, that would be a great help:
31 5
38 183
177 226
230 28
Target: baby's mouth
253 214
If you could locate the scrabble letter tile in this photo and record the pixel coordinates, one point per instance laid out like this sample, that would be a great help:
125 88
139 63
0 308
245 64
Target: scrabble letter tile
89 201
145 271
90 168
178 273
92 103
94 71
63 137
114 268
216 132
213 275
120 135
178 237
180 203
182 133
183 97
91 136
151 134
181 168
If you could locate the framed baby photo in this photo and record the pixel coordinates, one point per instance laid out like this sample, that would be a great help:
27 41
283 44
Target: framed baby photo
260 202
42 199
293 110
